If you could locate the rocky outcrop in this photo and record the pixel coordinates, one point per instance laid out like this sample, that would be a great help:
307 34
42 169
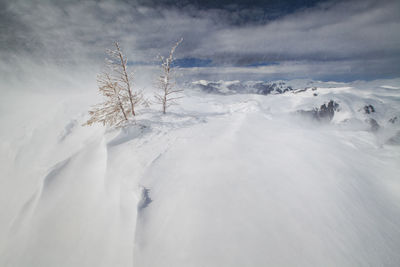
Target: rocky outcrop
368 109
393 120
264 88
305 90
324 113
209 87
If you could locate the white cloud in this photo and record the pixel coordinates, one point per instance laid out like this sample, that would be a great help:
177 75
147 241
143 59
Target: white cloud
344 35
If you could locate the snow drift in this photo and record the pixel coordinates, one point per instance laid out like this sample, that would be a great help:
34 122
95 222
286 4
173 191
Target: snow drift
231 177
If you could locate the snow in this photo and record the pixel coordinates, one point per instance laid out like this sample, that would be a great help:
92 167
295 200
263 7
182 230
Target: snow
221 180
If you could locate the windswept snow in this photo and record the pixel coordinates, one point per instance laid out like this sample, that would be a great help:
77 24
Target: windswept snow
224 179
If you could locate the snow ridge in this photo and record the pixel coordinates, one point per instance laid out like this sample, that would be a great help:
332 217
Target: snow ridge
232 176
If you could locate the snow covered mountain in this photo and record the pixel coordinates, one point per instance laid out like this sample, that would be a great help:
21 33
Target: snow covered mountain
294 173
248 87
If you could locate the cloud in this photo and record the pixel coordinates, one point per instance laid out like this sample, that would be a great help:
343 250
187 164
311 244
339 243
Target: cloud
348 38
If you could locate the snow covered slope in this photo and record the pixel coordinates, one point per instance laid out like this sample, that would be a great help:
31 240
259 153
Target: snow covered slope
222 180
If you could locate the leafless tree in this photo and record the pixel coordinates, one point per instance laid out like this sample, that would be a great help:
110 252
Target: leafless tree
168 93
111 111
115 85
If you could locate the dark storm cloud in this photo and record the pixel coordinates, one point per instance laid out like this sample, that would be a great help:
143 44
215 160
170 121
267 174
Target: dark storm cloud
303 38
237 12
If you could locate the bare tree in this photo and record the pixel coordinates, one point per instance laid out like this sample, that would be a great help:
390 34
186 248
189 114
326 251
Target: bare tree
111 111
115 85
122 76
165 82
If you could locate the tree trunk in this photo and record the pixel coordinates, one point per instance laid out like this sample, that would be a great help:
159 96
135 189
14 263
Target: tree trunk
128 86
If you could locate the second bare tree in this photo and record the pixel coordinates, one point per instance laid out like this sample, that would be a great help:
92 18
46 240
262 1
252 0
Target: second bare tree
168 93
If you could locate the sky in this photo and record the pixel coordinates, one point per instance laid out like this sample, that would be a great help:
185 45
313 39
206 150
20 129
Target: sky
325 40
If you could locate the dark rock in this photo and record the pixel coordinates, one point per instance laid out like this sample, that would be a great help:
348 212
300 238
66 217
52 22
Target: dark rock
237 87
369 109
145 199
393 120
315 94
300 90
324 113
264 89
210 88
328 111
304 89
